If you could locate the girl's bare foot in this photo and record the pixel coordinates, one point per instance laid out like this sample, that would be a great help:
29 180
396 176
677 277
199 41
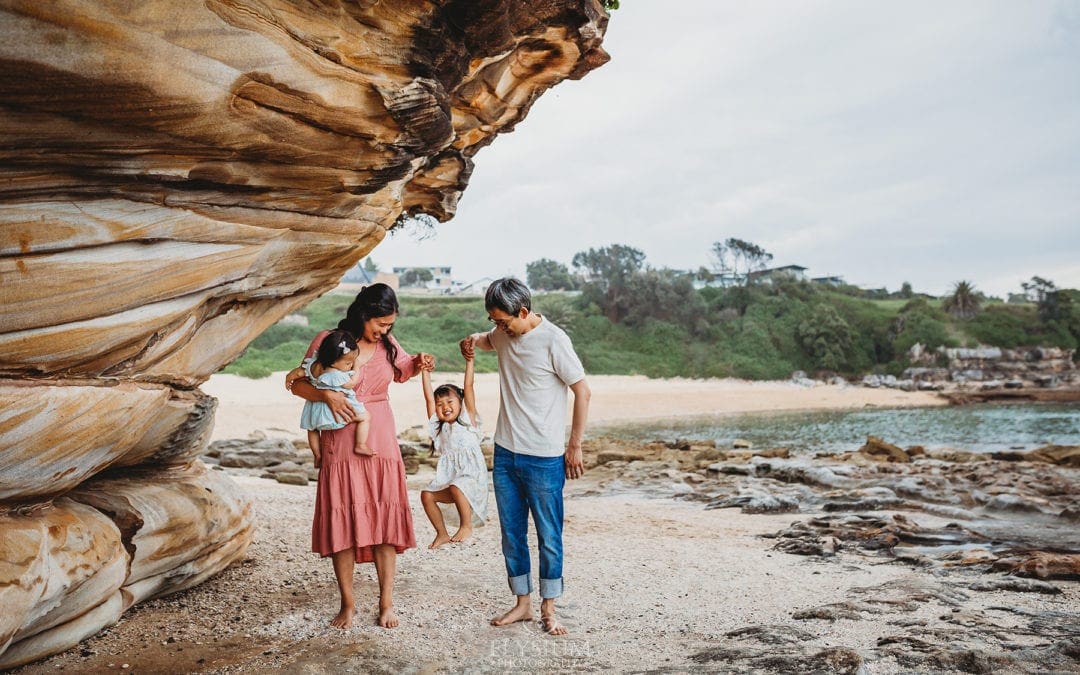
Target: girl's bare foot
463 533
440 539
363 450
344 619
520 612
387 618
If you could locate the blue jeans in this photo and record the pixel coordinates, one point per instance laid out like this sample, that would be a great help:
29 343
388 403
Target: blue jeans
525 484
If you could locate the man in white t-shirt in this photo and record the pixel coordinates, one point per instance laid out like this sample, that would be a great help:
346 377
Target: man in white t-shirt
537 365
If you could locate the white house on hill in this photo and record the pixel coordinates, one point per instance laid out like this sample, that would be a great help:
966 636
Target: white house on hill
796 272
440 277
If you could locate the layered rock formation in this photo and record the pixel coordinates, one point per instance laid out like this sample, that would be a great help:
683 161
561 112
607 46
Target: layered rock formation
174 178
987 368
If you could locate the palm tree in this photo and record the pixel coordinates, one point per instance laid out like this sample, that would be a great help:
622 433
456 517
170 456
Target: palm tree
963 303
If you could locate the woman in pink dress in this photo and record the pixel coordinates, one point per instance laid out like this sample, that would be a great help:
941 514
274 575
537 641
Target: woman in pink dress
361 505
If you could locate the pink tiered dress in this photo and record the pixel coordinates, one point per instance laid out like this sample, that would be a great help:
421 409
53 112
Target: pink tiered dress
362 501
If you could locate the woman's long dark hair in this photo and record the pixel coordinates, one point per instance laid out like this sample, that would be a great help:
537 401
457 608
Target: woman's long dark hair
372 302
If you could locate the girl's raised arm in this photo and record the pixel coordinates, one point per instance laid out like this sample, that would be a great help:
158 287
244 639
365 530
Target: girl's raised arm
429 397
470 394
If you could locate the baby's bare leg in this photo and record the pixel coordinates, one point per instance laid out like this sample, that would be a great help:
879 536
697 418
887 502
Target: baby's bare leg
315 443
464 509
363 427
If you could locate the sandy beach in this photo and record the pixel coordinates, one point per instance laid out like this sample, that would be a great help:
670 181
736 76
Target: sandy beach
653 583
245 405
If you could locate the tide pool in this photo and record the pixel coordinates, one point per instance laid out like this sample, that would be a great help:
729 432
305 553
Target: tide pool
979 428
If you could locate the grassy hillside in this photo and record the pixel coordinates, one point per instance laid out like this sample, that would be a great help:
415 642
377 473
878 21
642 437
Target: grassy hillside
766 333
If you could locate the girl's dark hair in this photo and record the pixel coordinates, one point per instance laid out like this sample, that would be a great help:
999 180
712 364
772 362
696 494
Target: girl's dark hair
450 390
372 302
333 347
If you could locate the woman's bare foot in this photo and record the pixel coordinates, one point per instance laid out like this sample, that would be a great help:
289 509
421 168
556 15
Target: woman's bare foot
463 533
552 625
344 619
363 450
440 539
520 612
387 618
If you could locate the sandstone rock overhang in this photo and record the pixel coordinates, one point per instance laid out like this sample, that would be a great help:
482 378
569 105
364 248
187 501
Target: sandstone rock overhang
174 177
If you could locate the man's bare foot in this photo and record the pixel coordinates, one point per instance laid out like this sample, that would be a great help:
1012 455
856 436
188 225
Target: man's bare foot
363 450
518 613
463 533
387 618
440 539
344 618
552 626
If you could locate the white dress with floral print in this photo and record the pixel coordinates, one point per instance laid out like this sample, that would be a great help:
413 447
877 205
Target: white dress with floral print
461 463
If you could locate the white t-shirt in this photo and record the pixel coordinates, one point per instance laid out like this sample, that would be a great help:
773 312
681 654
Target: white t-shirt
535 372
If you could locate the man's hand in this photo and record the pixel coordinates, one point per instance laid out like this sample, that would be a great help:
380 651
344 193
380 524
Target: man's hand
339 406
468 347
575 465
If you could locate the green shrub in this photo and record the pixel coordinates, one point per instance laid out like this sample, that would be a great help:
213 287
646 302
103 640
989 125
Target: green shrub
826 338
921 327
1005 326
283 332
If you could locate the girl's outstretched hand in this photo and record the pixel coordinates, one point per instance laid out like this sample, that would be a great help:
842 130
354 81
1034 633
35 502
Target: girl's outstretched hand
468 347
424 361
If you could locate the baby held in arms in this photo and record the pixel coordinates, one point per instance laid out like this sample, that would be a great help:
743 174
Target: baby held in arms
332 368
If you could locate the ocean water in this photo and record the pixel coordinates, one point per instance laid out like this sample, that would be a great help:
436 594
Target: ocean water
979 428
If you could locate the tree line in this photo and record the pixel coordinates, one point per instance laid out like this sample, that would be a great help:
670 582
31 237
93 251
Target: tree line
720 321
799 323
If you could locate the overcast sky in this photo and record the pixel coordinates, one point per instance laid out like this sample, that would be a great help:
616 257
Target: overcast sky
883 142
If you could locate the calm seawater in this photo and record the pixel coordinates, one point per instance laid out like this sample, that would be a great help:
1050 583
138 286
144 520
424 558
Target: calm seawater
980 428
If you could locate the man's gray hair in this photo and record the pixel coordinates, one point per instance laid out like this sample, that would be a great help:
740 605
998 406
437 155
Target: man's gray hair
508 295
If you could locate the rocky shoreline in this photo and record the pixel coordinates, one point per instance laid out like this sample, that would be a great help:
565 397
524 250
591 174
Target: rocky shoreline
875 560
964 523
987 373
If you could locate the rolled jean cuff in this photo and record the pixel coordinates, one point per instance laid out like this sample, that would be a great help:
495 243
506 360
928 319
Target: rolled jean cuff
550 588
521 584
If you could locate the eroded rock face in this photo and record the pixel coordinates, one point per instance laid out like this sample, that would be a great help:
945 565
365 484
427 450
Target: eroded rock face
174 178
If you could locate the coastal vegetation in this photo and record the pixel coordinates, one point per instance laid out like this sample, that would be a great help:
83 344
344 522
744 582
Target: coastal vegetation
628 318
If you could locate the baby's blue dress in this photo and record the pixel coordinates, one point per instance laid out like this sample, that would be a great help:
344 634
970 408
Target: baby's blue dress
316 415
